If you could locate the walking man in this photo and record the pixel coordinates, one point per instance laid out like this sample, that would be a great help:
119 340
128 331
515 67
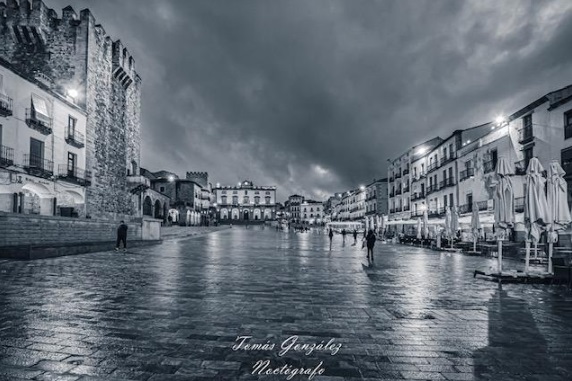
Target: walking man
355 236
370 242
343 236
122 236
331 235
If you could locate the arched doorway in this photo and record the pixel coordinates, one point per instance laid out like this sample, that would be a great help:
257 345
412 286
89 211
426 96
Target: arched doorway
37 199
157 209
245 215
147 207
256 214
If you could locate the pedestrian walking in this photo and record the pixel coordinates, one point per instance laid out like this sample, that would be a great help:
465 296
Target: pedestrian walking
343 235
370 242
331 235
122 236
355 236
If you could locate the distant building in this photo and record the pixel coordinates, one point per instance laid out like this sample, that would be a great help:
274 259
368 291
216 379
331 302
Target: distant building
294 211
376 198
245 202
312 212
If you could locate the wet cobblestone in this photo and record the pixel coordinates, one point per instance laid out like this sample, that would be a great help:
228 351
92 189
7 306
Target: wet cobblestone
173 312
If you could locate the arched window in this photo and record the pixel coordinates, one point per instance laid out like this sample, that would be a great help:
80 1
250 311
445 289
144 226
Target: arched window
147 207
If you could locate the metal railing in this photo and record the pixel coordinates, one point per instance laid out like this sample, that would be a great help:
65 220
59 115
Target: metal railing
433 166
38 166
449 182
432 188
39 123
5 105
417 196
467 173
74 175
6 156
398 191
398 175
489 166
75 139
405 172
525 134
446 159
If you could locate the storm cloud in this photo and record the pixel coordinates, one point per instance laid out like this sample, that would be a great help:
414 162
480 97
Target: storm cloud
315 96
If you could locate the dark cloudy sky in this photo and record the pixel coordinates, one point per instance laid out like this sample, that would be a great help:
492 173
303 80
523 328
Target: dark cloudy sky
315 96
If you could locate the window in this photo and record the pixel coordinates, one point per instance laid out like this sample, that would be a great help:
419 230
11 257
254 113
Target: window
451 200
566 157
71 127
72 160
267 192
40 109
527 121
445 201
257 199
234 192
246 200
36 153
235 200
451 173
528 154
267 199
223 192
161 189
568 124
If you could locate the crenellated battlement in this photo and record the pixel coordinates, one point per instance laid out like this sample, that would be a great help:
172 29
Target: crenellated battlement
201 178
33 26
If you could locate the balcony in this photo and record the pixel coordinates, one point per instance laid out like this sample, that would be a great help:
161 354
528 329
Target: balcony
525 134
138 180
398 175
5 105
435 213
447 159
417 196
398 191
405 189
391 178
468 208
417 213
405 172
432 167
39 123
392 194
38 166
76 139
406 208
466 174
489 166
6 156
74 175
432 188
447 183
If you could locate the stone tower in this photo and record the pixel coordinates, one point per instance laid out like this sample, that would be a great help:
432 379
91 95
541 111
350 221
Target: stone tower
201 178
74 52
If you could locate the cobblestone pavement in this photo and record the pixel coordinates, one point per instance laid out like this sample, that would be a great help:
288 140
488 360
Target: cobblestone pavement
173 312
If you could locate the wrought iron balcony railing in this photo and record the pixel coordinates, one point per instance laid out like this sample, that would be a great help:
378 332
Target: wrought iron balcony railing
433 166
432 188
37 122
489 166
417 196
6 156
447 183
398 191
405 172
398 175
447 159
38 166
74 175
5 105
467 173
525 134
75 139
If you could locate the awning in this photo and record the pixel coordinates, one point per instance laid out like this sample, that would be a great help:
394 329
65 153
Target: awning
40 106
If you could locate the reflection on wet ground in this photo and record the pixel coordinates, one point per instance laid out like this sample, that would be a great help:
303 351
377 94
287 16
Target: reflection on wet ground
173 312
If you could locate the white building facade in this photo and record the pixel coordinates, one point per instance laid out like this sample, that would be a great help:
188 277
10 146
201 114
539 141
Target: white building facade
42 149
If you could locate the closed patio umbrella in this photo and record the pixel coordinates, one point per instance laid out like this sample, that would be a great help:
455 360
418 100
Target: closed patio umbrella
418 228
454 223
504 203
558 210
448 231
536 212
475 224
425 224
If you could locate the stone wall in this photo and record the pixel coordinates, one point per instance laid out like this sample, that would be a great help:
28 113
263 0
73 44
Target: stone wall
75 52
25 229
